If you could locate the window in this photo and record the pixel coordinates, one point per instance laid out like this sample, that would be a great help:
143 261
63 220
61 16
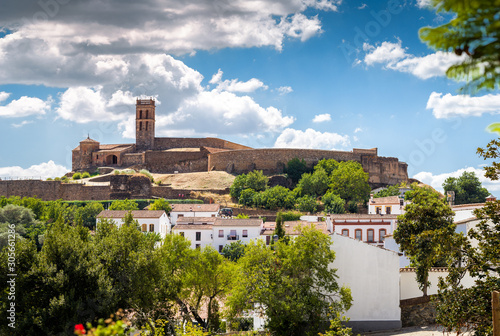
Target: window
220 248
140 125
245 233
358 235
180 215
382 233
388 210
370 234
378 210
345 232
151 228
198 246
147 114
213 215
198 236
268 240
181 234
221 233
144 227
140 114
146 125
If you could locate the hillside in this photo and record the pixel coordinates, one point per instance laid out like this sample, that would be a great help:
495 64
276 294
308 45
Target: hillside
196 181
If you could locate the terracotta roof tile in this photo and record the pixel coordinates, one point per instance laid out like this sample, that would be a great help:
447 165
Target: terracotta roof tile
180 227
385 200
195 207
238 222
135 213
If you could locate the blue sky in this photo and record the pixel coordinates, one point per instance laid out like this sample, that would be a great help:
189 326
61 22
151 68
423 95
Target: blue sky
327 74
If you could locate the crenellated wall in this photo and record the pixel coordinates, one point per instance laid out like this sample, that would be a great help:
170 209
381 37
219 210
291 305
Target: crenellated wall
167 143
381 170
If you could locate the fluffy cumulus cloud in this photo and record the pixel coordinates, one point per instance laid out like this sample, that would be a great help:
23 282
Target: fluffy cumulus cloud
42 170
322 118
24 106
448 105
234 85
283 90
393 56
292 138
72 43
423 3
436 181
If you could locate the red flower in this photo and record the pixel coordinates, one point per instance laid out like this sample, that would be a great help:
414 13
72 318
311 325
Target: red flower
79 329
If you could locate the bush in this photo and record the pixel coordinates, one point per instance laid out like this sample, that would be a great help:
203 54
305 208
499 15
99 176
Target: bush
65 178
352 207
77 176
307 204
333 203
147 173
246 197
295 168
85 175
49 179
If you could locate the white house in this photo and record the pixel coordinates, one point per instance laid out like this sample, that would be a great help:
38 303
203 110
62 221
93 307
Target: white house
292 228
368 228
149 220
372 274
193 210
386 205
218 232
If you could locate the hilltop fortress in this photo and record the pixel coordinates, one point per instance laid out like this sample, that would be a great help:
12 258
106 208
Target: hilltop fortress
184 155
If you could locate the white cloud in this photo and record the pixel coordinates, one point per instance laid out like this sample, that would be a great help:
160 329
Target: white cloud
234 85
436 181
393 56
78 43
322 118
24 107
283 90
363 6
22 123
448 106
423 3
291 138
358 129
4 96
42 170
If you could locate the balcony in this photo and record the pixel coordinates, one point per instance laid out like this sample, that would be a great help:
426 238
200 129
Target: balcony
233 237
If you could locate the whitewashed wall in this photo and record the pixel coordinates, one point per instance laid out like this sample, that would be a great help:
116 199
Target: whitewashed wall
372 274
409 285
174 214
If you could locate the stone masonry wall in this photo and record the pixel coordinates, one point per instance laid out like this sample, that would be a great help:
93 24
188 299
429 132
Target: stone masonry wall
382 170
418 312
167 143
182 162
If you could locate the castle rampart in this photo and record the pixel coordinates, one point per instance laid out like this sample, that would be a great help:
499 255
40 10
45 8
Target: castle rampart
168 143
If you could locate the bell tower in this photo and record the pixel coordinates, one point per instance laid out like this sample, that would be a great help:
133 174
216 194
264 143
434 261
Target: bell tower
144 124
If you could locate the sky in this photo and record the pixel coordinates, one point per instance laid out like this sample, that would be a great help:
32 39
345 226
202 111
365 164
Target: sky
324 74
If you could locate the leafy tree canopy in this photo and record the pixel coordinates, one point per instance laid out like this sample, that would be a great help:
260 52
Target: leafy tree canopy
295 168
161 204
292 282
234 251
425 232
314 184
328 165
472 32
350 182
467 188
389 191
125 204
333 203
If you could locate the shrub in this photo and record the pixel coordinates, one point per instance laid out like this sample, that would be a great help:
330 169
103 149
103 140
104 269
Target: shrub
77 176
246 197
333 203
307 204
147 173
65 179
85 175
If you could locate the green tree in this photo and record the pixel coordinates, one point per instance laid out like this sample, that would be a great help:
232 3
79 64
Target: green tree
425 232
472 31
246 197
22 220
125 204
467 188
239 184
334 204
389 191
278 197
314 184
463 309
350 182
256 180
279 230
234 251
161 204
295 168
292 284
88 213
307 204
328 165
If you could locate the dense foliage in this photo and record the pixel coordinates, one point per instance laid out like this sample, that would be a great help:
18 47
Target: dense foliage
472 32
467 188
425 232
469 309
295 168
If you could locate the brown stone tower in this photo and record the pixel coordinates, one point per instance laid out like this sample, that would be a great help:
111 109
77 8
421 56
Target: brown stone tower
82 156
144 124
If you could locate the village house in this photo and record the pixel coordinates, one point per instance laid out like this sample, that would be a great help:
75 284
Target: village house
386 205
193 210
218 232
155 221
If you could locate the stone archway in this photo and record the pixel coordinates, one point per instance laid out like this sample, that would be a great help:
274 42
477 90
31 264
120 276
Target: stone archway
111 160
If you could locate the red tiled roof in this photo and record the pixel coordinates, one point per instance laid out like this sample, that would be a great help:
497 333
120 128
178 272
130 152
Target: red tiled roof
179 227
238 222
385 200
195 207
135 213
197 220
